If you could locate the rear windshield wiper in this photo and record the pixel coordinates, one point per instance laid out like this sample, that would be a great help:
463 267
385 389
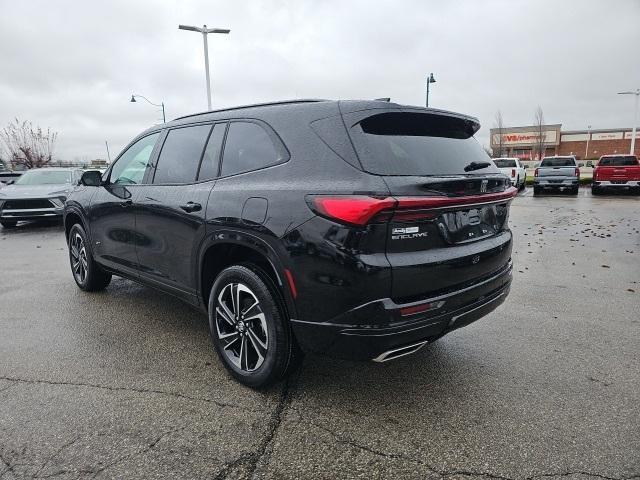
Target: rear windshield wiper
476 166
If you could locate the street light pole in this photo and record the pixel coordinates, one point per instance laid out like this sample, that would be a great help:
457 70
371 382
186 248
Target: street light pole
430 79
586 151
133 100
635 119
205 31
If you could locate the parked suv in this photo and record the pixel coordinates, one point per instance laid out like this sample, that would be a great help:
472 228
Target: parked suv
359 229
37 194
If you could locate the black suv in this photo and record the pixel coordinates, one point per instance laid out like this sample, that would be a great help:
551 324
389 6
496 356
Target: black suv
359 229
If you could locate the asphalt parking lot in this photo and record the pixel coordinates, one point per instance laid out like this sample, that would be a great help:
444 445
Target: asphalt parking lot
125 383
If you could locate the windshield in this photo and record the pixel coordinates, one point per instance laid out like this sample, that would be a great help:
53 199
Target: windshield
504 162
558 162
621 161
400 143
44 177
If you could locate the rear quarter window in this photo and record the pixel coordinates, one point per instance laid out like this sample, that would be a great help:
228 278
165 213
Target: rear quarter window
408 143
250 146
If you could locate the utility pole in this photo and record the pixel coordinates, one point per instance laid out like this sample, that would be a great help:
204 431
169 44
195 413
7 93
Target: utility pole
635 118
205 31
586 150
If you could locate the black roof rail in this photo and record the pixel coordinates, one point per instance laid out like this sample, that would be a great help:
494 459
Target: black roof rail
267 104
383 99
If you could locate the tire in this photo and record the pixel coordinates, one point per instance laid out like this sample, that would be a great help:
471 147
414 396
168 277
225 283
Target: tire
260 350
574 191
86 272
595 191
522 185
8 224
536 190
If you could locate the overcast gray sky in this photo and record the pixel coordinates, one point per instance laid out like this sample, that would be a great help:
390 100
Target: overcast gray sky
73 65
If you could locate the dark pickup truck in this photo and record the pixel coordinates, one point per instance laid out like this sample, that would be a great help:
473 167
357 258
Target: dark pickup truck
557 173
616 172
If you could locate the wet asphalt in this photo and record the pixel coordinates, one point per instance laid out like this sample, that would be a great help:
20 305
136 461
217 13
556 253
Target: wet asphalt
125 383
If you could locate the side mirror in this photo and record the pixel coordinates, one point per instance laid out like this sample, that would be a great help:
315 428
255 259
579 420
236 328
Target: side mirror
91 178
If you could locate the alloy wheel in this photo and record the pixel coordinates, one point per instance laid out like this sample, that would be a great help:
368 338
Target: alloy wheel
241 327
79 262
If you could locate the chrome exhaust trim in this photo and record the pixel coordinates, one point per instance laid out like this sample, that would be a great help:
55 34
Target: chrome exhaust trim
400 352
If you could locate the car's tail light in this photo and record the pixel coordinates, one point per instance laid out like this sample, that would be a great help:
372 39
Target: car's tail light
535 174
354 209
577 172
361 209
513 172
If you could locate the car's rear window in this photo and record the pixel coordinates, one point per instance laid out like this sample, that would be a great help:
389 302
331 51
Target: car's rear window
504 163
406 143
621 161
558 162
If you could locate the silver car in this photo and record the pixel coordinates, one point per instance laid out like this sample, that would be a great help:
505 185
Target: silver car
37 194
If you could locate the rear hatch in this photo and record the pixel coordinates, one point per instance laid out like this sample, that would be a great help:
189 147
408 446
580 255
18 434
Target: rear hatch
447 228
617 169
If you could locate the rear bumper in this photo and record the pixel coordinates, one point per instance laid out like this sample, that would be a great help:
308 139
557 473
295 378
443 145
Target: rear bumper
617 184
555 182
388 334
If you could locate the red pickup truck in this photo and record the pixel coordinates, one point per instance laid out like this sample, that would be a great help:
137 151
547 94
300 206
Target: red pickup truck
616 171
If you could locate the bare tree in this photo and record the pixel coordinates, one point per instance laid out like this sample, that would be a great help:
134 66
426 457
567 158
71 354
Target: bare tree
26 145
500 128
538 123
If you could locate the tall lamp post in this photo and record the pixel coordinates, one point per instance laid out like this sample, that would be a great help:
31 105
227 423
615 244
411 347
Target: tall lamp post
635 118
133 100
430 79
205 31
586 150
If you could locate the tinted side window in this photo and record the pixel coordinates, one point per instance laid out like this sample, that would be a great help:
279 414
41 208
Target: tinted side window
130 167
211 157
180 155
248 147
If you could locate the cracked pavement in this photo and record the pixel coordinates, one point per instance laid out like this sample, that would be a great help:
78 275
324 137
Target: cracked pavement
125 383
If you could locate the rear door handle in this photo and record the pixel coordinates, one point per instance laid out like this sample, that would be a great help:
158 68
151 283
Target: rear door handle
126 203
191 207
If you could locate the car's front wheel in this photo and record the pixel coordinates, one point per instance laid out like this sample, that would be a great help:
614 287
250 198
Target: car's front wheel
8 224
249 328
86 272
